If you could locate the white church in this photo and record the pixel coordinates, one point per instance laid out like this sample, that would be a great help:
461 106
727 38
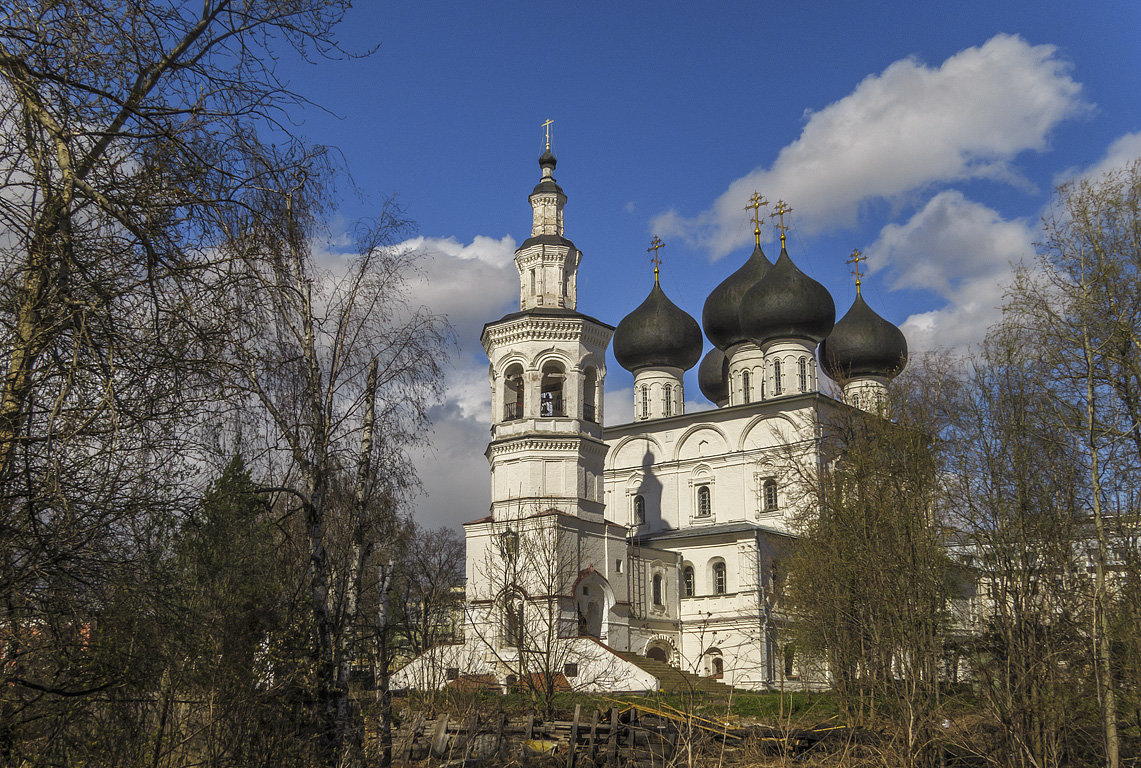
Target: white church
612 552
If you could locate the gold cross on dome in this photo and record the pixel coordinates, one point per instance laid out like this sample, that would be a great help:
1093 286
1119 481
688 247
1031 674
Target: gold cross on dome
781 209
855 260
755 203
547 129
656 260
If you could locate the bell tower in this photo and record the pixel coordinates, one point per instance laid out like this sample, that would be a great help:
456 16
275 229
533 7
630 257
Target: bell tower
548 367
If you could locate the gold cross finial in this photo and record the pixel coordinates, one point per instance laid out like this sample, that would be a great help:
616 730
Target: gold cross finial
781 209
655 244
547 129
755 203
855 260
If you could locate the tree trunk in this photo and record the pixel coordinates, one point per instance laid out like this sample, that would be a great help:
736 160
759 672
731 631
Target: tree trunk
1106 693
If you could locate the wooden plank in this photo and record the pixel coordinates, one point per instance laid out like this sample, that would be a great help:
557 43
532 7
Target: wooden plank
612 742
466 736
440 736
529 728
593 735
572 752
408 738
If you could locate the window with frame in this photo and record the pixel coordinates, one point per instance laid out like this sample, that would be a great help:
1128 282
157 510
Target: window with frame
639 510
513 622
776 377
770 494
704 501
645 401
657 590
802 373
689 585
746 387
719 578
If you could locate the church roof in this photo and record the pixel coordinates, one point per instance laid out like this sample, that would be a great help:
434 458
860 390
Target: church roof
863 344
657 334
787 304
562 312
721 315
707 530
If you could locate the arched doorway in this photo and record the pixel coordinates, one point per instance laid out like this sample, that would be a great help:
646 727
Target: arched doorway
657 653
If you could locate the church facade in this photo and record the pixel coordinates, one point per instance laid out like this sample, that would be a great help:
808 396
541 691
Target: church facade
608 550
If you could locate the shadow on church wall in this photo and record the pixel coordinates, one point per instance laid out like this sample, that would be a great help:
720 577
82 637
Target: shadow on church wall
650 489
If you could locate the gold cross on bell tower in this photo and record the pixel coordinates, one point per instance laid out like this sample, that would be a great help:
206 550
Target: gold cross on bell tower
656 260
781 209
547 130
755 203
855 260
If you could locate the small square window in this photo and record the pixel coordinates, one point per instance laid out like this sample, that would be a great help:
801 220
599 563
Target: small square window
452 673
570 670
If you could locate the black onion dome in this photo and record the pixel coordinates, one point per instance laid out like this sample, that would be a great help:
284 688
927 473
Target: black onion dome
863 344
657 333
787 304
721 314
547 184
713 376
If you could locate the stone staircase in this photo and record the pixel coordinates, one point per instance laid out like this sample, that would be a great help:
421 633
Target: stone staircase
674 680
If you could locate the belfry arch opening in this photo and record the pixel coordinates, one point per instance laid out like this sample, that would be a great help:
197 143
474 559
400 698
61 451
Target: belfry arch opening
551 402
513 392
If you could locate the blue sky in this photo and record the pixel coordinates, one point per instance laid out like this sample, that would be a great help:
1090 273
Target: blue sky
929 135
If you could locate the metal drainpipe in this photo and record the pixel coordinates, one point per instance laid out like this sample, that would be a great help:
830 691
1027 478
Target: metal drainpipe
762 603
677 584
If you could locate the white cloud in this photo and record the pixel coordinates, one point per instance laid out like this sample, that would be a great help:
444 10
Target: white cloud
899 131
471 284
619 406
1123 151
961 250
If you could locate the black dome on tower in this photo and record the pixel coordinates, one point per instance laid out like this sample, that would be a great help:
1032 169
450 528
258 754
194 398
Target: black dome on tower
863 344
657 334
721 314
787 304
713 376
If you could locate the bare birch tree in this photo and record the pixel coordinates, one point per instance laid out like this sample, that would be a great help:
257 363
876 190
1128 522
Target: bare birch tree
344 370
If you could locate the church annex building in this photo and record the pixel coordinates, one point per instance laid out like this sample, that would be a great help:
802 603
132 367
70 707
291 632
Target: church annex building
612 552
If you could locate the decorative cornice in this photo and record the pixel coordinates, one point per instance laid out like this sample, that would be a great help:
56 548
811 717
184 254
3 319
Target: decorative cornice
541 328
553 444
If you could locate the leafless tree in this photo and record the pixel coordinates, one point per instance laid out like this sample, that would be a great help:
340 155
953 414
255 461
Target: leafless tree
868 576
344 370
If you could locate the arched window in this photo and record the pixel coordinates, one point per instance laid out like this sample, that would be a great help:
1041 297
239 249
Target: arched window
770 495
719 578
776 378
639 510
551 392
645 401
513 393
532 281
746 387
717 667
590 395
689 587
513 622
704 505
658 590
855 400
802 373
668 400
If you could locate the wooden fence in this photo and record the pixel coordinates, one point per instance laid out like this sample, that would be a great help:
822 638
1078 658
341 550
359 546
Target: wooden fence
630 734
